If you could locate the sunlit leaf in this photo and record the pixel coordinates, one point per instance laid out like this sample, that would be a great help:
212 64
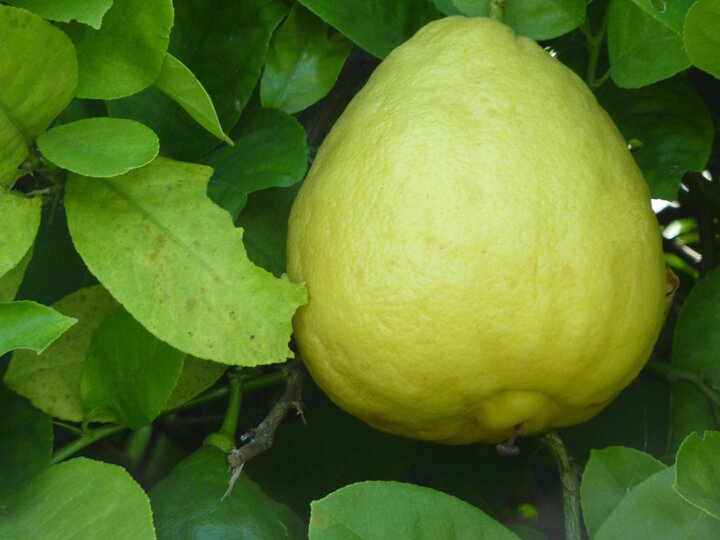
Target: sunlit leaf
178 265
52 380
29 325
80 498
701 36
126 53
90 12
178 83
38 71
370 510
544 19
100 147
19 223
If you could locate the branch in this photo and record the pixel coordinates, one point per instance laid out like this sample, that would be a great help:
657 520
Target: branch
262 437
569 480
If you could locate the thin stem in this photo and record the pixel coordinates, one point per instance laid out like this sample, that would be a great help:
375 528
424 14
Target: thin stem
209 397
595 42
496 10
265 381
232 414
673 374
84 441
569 480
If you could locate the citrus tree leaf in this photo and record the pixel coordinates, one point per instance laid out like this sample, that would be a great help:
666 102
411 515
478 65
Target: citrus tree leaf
695 345
701 38
26 441
544 19
52 380
609 476
197 375
642 49
305 464
223 43
671 13
11 281
449 7
89 12
653 510
178 83
19 223
100 147
126 53
375 25
128 373
38 71
80 498
303 62
470 8
264 220
698 470
187 504
29 325
381 509
672 125
270 150
178 265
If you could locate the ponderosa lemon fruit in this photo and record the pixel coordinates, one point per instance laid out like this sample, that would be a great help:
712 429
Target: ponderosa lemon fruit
477 243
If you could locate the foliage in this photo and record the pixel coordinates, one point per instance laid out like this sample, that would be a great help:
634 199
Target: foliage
156 147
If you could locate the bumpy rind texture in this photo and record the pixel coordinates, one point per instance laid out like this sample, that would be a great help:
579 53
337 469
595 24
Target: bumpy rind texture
477 243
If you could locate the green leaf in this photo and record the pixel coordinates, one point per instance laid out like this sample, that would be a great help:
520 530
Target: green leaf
670 13
128 373
45 57
642 49
377 26
673 125
270 150
303 62
334 449
701 37
100 147
80 498
609 476
374 510
450 7
695 345
698 471
29 325
197 375
653 510
527 533
19 223
264 220
187 504
125 55
90 12
10 282
178 265
223 43
26 441
178 83
544 19
52 380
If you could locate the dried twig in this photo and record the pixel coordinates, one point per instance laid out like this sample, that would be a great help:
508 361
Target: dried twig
262 437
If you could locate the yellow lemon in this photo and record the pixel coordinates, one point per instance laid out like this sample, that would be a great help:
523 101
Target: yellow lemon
478 244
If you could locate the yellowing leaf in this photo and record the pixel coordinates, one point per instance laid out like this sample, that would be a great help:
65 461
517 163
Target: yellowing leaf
178 265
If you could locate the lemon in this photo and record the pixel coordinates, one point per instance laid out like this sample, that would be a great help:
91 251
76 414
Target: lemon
477 242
